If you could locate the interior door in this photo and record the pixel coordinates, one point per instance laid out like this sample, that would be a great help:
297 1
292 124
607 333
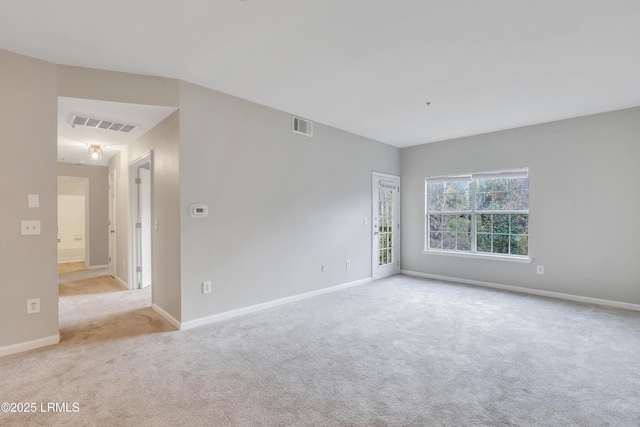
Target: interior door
112 223
145 225
385 225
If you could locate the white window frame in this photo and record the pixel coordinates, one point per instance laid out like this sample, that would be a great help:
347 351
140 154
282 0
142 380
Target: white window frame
473 212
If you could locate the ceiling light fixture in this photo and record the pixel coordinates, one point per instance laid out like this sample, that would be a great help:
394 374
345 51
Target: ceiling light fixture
95 152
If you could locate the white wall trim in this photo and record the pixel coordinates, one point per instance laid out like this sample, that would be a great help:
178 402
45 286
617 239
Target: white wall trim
476 255
162 312
97 267
29 345
66 259
270 304
557 295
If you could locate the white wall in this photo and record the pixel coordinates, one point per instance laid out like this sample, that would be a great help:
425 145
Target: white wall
28 117
583 203
71 228
280 204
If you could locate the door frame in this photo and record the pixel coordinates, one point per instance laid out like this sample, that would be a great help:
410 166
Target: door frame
113 191
390 271
135 243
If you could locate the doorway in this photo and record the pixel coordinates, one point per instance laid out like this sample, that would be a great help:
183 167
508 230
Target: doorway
140 222
385 225
73 222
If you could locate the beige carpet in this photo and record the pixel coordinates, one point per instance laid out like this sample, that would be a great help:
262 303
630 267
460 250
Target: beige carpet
396 352
69 267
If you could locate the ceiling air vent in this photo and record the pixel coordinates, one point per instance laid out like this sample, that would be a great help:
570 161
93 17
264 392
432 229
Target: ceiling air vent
77 120
302 126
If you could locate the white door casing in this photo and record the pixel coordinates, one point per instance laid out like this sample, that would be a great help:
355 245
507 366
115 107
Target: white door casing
140 254
144 211
112 223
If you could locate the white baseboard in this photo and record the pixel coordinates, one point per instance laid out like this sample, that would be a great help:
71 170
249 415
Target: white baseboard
29 345
97 267
166 315
557 295
259 307
121 282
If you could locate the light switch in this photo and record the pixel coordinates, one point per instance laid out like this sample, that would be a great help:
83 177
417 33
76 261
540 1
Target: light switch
29 228
33 200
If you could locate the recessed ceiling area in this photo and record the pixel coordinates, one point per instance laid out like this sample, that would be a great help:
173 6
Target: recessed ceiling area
367 67
74 140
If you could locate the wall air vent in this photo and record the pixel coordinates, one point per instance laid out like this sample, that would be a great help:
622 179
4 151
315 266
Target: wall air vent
77 120
302 126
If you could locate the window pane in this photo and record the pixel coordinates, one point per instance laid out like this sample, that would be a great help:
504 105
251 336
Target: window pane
519 200
501 243
449 241
501 223
449 196
463 224
435 240
483 223
436 196
517 184
500 201
483 201
484 185
519 224
483 243
449 222
464 242
435 222
519 245
500 184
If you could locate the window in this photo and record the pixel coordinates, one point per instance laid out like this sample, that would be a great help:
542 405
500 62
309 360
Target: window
484 213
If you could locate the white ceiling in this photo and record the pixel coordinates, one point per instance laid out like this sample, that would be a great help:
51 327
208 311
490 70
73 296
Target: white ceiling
366 66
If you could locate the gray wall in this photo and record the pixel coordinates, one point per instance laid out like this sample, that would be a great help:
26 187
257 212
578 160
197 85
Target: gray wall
98 209
281 204
162 140
28 112
583 204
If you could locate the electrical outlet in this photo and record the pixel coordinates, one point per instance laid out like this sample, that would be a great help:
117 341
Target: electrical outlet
540 269
348 263
33 306
29 228
206 287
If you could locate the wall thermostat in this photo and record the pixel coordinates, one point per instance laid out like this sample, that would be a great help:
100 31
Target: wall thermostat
199 211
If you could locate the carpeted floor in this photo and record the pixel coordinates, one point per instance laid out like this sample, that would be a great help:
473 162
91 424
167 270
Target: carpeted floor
397 352
70 267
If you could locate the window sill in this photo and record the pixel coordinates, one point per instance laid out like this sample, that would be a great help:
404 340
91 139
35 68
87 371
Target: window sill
488 257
